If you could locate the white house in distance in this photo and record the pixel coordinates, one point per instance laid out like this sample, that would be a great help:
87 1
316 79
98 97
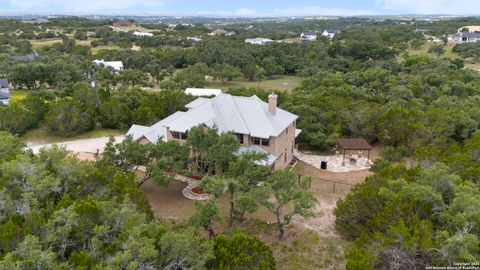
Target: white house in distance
142 34
4 92
258 41
194 39
222 32
464 37
330 33
309 35
259 126
203 92
115 65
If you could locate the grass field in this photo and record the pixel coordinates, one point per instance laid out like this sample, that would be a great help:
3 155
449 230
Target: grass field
285 83
108 47
16 95
41 135
448 54
44 42
424 50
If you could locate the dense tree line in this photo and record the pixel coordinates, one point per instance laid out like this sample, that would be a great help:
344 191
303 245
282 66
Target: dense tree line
416 216
61 213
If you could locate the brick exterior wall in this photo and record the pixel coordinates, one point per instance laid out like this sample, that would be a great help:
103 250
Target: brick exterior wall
281 146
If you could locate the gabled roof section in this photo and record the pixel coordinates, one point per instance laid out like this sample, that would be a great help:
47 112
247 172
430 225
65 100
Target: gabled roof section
154 132
245 115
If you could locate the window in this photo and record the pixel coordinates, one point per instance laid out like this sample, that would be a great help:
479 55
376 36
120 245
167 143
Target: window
240 137
260 141
179 135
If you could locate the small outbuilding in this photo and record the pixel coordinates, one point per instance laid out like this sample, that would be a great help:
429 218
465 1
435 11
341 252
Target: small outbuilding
353 145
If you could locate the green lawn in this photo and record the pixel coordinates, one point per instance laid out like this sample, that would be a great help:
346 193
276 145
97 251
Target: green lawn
424 50
108 47
285 83
44 42
41 135
17 95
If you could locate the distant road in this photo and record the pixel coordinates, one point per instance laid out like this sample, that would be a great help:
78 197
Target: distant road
78 146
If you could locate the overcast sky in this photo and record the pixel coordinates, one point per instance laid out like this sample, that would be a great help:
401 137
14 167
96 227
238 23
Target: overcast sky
244 8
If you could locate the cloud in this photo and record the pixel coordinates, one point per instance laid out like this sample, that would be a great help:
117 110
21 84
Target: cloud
457 7
83 6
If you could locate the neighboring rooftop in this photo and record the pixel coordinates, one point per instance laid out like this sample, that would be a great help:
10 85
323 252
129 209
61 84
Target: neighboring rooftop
116 65
332 31
203 92
309 33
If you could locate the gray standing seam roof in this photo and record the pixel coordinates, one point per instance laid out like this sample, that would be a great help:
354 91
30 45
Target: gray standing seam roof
245 115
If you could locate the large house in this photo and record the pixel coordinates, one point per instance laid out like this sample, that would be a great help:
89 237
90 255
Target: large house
115 65
4 92
465 37
330 33
258 41
259 126
309 35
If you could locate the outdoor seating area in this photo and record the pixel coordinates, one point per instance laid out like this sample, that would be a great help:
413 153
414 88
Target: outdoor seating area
350 155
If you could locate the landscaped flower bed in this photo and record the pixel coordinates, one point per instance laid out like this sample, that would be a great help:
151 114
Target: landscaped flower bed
197 190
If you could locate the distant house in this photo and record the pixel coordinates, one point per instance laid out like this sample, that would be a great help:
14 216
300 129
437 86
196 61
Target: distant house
25 58
115 65
469 28
308 36
123 24
259 126
464 37
330 33
203 92
4 92
221 32
258 41
194 39
142 34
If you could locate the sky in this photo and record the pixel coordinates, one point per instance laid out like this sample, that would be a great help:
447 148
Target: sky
241 8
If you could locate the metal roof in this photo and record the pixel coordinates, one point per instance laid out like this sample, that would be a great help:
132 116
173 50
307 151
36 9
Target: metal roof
353 144
252 148
245 115
116 65
154 132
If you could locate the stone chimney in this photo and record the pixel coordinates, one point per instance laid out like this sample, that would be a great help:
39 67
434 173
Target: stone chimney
272 103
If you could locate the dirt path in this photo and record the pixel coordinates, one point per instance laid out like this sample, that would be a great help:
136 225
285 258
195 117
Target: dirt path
79 146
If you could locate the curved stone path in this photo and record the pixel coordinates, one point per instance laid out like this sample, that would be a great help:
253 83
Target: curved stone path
187 191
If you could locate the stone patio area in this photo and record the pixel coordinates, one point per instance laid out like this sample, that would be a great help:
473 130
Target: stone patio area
334 162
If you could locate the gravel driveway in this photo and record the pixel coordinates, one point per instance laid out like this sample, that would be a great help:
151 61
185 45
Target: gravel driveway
77 146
